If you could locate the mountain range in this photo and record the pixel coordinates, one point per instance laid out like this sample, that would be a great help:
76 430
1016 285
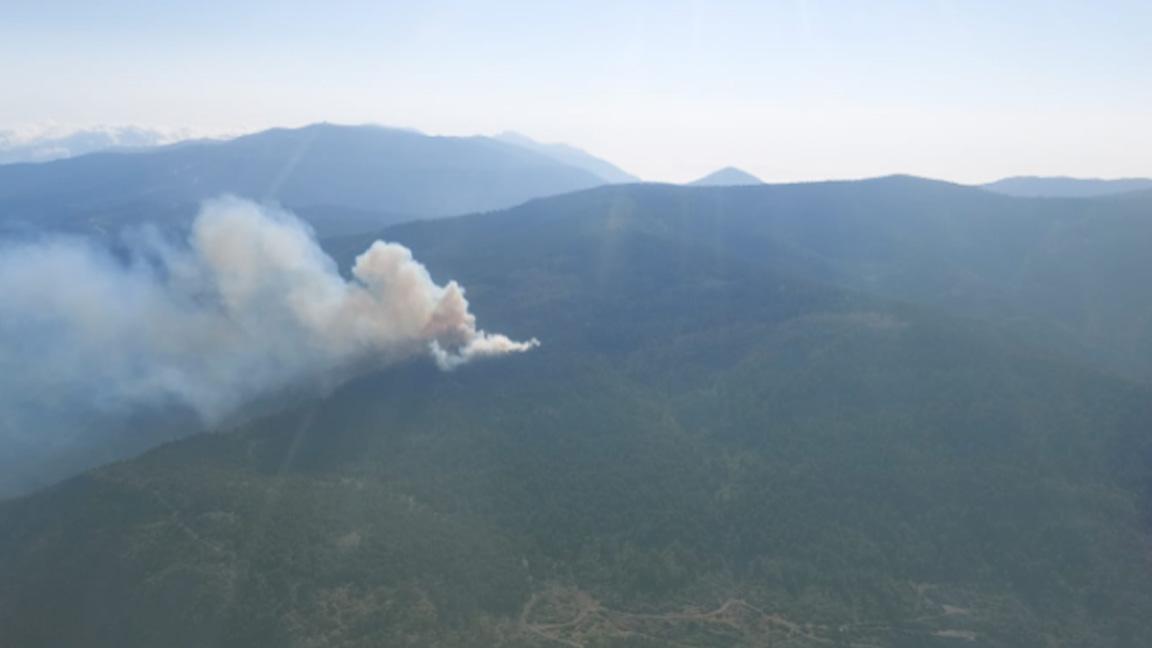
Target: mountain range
893 412
573 156
342 179
1063 187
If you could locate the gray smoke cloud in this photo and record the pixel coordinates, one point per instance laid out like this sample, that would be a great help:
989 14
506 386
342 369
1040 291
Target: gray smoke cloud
249 305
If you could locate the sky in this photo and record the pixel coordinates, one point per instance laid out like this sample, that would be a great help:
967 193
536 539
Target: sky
964 90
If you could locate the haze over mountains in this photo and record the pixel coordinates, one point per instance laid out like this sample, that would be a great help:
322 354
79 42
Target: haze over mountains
780 324
1061 187
568 154
891 412
884 412
1065 273
340 178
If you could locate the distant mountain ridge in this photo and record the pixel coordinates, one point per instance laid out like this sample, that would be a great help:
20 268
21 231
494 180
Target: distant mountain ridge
727 177
393 174
1065 187
568 154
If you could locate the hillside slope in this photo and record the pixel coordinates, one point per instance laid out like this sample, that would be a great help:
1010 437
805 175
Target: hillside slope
704 451
1065 273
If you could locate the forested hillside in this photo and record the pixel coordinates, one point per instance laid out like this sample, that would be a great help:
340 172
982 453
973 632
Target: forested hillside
733 434
1068 274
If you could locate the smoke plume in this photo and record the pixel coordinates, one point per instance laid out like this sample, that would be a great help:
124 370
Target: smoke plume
248 305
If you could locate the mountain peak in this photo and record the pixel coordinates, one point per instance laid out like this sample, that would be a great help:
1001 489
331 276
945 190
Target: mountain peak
726 177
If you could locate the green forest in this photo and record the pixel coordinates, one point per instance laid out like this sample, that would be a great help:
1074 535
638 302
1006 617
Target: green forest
886 413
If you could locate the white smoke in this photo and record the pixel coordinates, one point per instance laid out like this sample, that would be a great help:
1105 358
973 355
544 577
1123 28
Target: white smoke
249 305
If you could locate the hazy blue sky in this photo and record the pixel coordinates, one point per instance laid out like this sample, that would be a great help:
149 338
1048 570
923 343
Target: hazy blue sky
789 89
